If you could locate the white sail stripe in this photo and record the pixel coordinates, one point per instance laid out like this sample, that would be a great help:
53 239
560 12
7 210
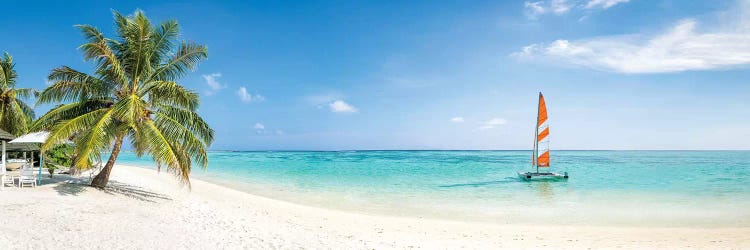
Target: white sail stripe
541 150
544 124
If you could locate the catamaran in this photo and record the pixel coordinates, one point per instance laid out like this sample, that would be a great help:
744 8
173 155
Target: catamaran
540 157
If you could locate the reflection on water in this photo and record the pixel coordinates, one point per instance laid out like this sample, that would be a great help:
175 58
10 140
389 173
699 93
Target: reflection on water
544 189
482 183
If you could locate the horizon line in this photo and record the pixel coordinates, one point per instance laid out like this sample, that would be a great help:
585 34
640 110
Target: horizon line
366 150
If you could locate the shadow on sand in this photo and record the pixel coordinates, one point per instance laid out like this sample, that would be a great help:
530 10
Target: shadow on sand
135 192
66 185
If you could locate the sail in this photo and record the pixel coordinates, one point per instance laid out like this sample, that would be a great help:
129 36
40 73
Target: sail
542 138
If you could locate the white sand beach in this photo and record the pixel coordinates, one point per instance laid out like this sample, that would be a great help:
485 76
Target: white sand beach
143 209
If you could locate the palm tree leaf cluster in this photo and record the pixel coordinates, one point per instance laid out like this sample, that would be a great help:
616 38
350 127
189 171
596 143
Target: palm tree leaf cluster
132 96
15 115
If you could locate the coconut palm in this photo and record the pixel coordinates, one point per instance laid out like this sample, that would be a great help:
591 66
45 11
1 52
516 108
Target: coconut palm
15 115
132 94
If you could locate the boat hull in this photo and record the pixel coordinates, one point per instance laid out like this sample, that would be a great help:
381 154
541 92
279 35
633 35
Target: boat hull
533 176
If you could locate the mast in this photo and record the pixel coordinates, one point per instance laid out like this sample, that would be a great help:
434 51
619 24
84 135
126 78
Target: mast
536 134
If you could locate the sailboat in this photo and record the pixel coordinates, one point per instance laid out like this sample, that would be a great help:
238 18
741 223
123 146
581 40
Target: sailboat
540 157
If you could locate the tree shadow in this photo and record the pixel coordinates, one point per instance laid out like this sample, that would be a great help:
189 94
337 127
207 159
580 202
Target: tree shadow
70 188
135 192
64 184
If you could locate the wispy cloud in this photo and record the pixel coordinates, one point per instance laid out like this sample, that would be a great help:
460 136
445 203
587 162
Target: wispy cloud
322 100
261 129
603 4
457 119
493 123
247 97
213 84
680 48
536 8
340 106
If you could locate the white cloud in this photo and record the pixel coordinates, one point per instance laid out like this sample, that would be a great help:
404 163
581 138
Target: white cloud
559 6
279 132
536 8
457 119
533 9
213 84
248 97
604 4
259 126
322 100
340 106
492 123
680 48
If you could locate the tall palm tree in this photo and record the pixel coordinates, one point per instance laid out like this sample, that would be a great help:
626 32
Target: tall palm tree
15 115
132 94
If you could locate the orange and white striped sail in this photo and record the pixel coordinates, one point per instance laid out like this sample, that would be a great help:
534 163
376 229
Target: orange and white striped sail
542 137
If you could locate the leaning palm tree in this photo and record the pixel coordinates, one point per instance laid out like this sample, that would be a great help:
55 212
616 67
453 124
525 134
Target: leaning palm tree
15 114
133 93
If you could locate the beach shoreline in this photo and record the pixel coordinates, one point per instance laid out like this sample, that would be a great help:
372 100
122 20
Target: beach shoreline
142 208
483 187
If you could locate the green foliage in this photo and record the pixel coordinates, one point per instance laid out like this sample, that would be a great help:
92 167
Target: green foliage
134 93
58 157
15 115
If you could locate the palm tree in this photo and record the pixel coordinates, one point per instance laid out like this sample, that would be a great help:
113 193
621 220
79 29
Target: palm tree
132 94
15 115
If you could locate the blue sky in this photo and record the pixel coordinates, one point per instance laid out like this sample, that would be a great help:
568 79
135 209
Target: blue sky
330 75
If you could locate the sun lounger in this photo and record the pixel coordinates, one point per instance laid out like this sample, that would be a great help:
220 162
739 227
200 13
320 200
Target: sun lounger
27 176
5 177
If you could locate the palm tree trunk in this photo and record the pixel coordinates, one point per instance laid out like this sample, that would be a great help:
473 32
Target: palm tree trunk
101 179
73 171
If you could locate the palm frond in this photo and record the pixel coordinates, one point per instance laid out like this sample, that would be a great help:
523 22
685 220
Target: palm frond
164 41
170 93
90 142
130 110
166 152
187 57
137 41
191 120
27 110
69 111
8 73
67 128
98 49
72 85
26 92
182 135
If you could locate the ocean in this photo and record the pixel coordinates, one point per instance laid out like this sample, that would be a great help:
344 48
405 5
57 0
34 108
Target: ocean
606 188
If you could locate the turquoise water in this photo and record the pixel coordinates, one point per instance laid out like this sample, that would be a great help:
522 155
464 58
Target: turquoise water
637 188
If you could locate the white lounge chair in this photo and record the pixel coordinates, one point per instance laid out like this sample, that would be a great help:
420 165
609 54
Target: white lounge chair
27 176
5 177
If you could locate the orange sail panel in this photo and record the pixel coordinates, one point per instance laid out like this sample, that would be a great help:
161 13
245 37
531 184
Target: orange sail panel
542 118
543 135
542 157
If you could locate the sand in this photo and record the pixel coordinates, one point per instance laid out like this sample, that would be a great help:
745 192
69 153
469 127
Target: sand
143 209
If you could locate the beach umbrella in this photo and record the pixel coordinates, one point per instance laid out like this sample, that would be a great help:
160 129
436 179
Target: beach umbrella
35 137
